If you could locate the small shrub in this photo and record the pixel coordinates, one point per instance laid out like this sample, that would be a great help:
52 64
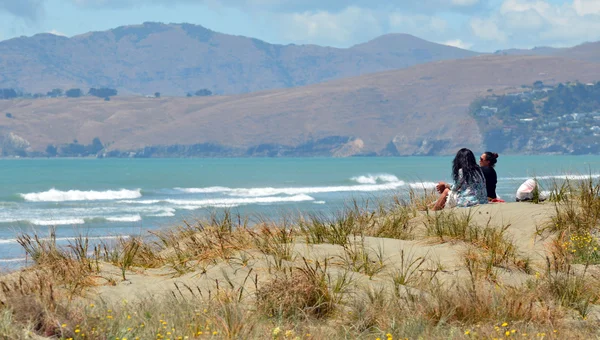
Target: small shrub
301 293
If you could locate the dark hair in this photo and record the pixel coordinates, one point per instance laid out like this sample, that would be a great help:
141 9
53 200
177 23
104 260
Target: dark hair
491 157
465 160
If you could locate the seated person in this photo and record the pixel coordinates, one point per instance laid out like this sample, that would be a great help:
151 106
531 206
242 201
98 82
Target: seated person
487 162
468 188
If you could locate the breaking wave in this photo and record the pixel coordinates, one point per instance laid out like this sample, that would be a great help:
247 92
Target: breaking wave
572 177
226 202
374 179
62 239
54 195
365 183
131 218
51 222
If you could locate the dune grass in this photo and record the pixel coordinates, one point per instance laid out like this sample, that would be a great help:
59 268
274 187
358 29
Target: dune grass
320 276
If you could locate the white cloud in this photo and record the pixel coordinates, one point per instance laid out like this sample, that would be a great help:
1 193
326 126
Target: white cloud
415 24
55 32
288 6
529 23
465 2
458 43
487 30
585 7
27 9
332 28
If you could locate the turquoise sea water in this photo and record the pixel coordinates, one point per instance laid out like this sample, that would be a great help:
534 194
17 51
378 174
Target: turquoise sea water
104 198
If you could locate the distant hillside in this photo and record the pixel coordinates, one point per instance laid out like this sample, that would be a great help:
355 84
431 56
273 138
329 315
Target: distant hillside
421 110
587 52
178 58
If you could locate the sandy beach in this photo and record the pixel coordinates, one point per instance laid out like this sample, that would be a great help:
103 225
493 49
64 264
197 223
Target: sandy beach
367 274
522 219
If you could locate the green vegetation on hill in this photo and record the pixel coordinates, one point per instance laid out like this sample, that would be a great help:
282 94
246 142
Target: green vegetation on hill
557 119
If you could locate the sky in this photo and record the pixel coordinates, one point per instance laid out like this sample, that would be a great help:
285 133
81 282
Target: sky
481 25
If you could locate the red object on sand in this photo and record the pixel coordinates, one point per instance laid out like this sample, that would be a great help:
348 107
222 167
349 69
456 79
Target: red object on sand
497 200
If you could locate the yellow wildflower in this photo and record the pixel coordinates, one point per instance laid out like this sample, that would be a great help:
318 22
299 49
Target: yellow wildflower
276 331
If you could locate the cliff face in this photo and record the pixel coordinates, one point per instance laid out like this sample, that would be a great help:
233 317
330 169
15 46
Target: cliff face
422 110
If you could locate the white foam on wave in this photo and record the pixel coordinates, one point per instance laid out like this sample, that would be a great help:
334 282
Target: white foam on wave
195 207
365 183
139 201
319 202
166 212
54 195
227 202
374 179
269 191
423 185
131 218
51 222
13 260
572 177
208 190
61 239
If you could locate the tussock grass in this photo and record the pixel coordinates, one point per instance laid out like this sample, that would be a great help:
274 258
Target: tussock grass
361 259
410 272
300 292
493 246
71 268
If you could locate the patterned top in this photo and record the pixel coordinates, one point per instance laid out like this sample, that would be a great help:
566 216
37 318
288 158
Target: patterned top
463 194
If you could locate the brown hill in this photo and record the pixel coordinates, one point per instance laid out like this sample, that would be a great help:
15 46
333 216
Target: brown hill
587 52
419 110
178 58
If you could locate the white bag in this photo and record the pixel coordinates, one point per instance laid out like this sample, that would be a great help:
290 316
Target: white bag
525 191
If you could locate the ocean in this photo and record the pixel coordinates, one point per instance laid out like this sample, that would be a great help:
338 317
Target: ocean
107 198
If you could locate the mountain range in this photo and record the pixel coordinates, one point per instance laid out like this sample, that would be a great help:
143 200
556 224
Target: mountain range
395 95
176 59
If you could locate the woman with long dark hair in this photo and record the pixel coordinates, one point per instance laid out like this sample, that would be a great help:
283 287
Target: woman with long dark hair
487 162
468 186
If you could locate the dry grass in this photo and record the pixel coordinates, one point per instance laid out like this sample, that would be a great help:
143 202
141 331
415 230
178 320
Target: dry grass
302 292
354 293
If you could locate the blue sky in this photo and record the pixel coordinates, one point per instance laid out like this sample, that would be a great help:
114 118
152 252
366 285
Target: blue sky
483 25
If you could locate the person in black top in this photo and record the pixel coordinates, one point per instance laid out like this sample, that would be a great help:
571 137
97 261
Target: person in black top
487 162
